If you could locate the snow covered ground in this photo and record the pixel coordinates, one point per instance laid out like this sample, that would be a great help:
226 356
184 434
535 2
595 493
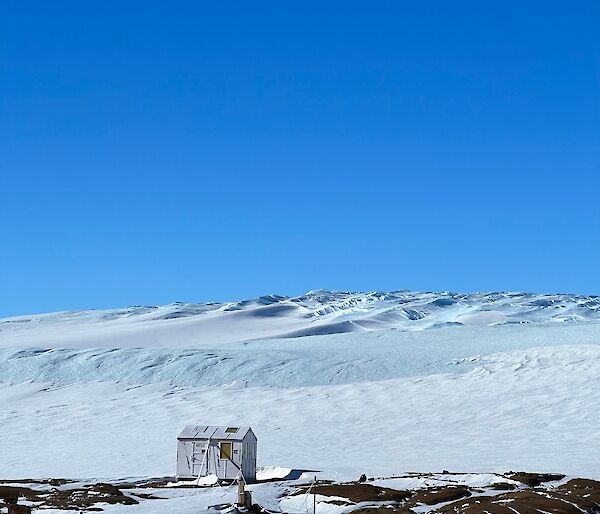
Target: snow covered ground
299 496
103 394
535 409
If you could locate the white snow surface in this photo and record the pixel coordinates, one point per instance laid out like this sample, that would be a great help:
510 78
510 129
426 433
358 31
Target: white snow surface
103 394
315 313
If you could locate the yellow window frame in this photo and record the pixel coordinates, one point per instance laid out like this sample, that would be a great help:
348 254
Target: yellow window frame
226 450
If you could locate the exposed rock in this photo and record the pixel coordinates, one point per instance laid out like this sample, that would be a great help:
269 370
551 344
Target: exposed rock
437 495
535 479
19 509
357 492
574 497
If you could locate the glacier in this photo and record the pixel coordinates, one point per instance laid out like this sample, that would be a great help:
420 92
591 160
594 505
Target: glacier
315 313
344 383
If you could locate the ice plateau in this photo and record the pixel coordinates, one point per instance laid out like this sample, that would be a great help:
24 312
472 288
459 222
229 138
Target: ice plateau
387 383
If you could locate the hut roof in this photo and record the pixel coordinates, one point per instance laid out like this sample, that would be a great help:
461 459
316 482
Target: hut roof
214 432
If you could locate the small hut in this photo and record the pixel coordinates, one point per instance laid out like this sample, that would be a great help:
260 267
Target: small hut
227 452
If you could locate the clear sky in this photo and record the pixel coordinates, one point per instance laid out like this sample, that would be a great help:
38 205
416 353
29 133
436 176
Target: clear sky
160 151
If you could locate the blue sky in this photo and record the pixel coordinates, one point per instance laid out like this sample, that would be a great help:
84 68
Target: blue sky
153 152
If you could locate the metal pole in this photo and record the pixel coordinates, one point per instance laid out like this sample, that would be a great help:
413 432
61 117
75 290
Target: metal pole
315 496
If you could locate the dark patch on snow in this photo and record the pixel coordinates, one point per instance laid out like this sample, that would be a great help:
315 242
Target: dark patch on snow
443 302
341 327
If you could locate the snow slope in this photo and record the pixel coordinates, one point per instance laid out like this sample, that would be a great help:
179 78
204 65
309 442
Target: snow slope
296 362
536 410
104 393
317 312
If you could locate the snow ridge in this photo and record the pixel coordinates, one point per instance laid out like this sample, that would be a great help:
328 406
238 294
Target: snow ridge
317 312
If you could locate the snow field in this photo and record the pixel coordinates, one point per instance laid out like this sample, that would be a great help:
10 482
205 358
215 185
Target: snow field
531 410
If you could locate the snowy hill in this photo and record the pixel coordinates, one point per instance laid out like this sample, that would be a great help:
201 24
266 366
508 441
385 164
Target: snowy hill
315 313
431 381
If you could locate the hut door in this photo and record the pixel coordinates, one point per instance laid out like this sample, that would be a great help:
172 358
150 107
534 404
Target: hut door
200 459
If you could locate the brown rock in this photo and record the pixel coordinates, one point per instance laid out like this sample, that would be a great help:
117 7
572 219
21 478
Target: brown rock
19 509
535 479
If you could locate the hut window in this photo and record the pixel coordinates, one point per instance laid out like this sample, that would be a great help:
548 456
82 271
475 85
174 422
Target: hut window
232 430
226 450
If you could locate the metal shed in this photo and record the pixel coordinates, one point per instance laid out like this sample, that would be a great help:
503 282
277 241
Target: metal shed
211 450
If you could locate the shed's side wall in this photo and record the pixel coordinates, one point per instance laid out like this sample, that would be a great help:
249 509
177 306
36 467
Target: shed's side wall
249 457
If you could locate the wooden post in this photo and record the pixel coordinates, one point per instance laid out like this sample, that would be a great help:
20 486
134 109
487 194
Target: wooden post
315 496
241 495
